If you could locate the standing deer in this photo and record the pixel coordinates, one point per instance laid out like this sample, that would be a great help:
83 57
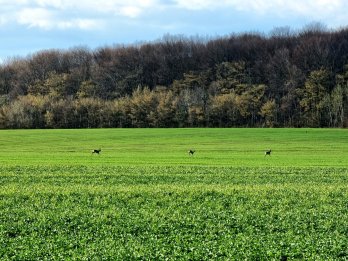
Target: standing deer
191 152
96 151
268 152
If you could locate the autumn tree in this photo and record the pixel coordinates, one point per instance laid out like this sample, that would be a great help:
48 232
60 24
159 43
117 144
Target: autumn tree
313 94
269 112
224 110
285 79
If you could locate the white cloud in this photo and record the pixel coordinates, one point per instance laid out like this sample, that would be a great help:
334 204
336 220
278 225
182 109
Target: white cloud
84 24
199 4
87 24
328 11
65 14
130 11
89 14
318 9
14 2
303 7
51 3
35 17
45 19
130 8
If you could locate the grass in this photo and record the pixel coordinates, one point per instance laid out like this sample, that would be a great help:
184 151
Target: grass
144 198
214 147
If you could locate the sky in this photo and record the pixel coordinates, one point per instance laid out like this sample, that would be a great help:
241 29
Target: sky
29 26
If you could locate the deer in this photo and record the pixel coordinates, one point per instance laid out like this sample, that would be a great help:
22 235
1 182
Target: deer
191 152
96 151
268 152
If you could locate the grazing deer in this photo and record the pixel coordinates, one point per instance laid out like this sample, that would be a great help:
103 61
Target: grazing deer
191 152
268 152
96 151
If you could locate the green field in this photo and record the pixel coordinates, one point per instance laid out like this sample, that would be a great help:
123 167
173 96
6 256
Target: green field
145 198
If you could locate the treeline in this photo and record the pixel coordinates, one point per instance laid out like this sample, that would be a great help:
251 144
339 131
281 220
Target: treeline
285 79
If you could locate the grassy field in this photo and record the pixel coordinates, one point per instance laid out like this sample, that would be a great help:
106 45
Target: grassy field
145 198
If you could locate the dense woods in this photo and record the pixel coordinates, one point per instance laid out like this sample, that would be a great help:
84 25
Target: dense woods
284 79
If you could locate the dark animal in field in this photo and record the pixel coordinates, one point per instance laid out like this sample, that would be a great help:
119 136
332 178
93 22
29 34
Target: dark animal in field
96 151
191 152
268 152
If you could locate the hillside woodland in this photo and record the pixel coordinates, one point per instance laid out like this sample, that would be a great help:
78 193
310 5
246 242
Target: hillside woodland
283 79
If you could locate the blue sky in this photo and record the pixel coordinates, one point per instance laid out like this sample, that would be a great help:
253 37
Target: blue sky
28 26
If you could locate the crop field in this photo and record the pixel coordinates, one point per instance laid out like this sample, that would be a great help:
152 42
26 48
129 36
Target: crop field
145 198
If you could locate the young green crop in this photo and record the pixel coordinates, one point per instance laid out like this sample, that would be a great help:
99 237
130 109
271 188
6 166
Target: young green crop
214 147
145 198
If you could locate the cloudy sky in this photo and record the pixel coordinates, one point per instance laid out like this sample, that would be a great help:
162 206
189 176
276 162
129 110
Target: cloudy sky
27 26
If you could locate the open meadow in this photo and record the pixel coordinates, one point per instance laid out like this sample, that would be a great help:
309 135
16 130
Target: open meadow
145 198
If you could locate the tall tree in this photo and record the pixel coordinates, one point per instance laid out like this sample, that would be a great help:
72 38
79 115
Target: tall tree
313 96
